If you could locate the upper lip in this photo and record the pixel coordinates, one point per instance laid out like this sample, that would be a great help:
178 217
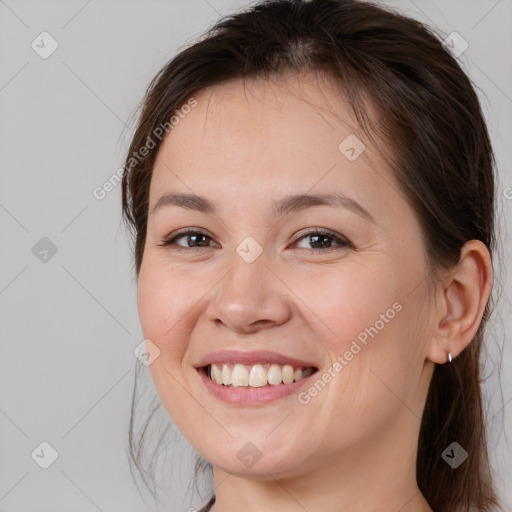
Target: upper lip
254 357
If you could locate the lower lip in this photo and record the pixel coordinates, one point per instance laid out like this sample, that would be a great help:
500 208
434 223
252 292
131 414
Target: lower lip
251 396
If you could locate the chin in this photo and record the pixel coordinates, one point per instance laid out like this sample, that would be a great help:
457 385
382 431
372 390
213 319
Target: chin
257 460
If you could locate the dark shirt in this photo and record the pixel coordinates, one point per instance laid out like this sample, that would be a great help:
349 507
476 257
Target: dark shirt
208 506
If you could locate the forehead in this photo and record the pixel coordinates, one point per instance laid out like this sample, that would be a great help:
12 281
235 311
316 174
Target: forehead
252 138
283 113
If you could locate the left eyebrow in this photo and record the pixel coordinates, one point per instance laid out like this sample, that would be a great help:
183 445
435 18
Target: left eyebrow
334 199
281 207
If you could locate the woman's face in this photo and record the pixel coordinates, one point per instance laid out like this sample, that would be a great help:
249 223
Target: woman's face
347 303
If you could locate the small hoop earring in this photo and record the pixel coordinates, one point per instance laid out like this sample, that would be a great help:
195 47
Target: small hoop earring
449 357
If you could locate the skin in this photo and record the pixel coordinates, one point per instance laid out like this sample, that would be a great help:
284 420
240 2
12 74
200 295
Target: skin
353 446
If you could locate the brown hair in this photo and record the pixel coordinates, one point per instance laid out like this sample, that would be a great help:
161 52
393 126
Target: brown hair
427 111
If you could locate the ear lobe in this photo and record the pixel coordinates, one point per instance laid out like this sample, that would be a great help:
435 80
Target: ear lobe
465 293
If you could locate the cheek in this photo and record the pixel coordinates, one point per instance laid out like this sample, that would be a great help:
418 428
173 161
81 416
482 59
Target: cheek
362 317
358 303
164 308
376 353
166 311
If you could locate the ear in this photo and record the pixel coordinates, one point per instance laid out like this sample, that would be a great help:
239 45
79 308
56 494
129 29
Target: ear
461 302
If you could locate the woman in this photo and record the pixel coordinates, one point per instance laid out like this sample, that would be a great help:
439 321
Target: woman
313 209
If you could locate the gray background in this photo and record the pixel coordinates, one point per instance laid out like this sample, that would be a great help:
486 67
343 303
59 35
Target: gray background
69 325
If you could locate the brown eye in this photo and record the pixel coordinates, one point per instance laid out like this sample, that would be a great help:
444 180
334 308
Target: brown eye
196 239
324 240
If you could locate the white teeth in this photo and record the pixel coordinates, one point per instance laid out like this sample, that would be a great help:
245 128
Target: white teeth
274 375
216 374
226 375
240 376
287 374
258 375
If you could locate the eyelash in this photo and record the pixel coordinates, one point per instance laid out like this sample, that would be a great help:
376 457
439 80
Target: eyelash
343 242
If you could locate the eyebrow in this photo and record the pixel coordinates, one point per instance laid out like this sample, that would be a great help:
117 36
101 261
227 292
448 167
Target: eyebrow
280 207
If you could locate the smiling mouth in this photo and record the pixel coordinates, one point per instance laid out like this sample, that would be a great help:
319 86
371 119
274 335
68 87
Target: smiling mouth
262 375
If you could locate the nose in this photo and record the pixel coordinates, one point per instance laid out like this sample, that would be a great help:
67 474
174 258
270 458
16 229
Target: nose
249 298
